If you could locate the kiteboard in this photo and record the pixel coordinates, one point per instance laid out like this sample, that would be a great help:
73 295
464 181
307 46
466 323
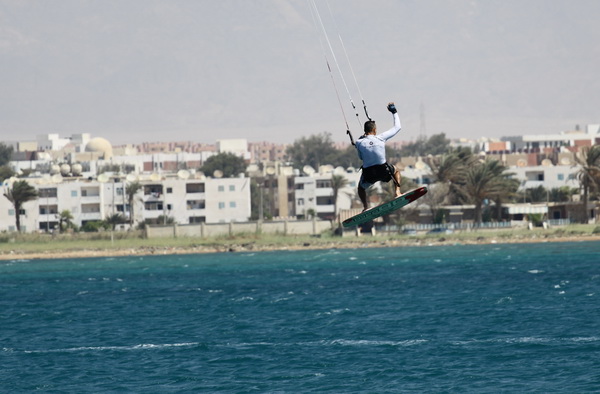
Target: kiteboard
385 208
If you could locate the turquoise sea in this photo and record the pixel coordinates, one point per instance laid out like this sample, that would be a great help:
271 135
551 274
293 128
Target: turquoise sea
481 318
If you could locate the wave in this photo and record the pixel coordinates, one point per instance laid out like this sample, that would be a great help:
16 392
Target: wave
366 342
326 343
143 346
529 340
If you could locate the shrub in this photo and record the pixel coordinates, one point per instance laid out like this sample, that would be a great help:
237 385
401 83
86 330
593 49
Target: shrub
92 227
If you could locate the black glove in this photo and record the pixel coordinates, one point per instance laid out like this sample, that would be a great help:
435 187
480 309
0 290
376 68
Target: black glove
392 108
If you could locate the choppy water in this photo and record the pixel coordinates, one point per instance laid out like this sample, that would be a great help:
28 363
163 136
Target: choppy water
501 318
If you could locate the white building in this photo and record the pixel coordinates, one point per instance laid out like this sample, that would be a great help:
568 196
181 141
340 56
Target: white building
184 200
548 176
538 142
238 147
314 193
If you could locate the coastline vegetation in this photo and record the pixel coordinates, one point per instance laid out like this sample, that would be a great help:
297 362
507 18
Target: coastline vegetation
15 245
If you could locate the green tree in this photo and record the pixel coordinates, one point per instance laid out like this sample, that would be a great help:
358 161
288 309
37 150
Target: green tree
94 226
437 144
5 172
507 190
65 220
345 158
483 181
537 194
588 175
131 190
5 156
449 169
5 153
561 194
113 220
20 193
229 164
314 151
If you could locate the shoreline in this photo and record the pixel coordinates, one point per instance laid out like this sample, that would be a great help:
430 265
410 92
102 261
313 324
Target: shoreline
288 244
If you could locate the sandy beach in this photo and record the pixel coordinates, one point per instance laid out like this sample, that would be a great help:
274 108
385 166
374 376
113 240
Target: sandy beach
95 248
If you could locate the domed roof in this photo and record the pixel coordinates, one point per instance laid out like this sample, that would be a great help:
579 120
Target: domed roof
100 145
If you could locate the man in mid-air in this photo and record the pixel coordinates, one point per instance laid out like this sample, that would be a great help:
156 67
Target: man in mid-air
371 150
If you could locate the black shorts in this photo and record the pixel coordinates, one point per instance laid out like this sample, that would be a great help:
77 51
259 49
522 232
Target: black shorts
376 173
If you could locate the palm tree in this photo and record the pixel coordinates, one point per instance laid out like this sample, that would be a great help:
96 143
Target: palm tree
20 193
131 190
507 190
484 181
450 169
65 220
114 219
588 174
537 194
338 182
561 194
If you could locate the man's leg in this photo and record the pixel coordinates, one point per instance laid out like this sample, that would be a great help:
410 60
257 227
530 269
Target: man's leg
397 182
362 194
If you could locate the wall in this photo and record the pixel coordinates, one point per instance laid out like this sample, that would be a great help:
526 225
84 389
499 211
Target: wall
302 227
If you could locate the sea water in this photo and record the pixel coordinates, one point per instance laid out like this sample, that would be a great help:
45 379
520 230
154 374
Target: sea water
482 318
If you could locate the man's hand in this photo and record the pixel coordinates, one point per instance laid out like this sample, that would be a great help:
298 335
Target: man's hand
392 108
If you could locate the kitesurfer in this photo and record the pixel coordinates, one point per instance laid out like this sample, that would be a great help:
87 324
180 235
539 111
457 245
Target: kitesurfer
371 150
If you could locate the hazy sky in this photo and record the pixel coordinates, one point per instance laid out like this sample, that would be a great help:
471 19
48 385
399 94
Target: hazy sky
202 70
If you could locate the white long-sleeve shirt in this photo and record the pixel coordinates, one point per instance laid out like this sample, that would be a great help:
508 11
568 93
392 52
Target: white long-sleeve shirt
371 148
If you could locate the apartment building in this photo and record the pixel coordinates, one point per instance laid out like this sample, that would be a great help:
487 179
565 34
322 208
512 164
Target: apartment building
314 193
185 201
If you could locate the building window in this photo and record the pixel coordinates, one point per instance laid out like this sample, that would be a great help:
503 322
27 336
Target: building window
169 190
195 204
231 188
47 193
153 206
325 200
73 193
323 184
153 190
300 201
194 188
48 209
221 188
232 204
119 191
300 186
561 177
221 205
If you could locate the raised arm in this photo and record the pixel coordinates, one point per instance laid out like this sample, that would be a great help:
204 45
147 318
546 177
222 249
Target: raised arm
386 135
